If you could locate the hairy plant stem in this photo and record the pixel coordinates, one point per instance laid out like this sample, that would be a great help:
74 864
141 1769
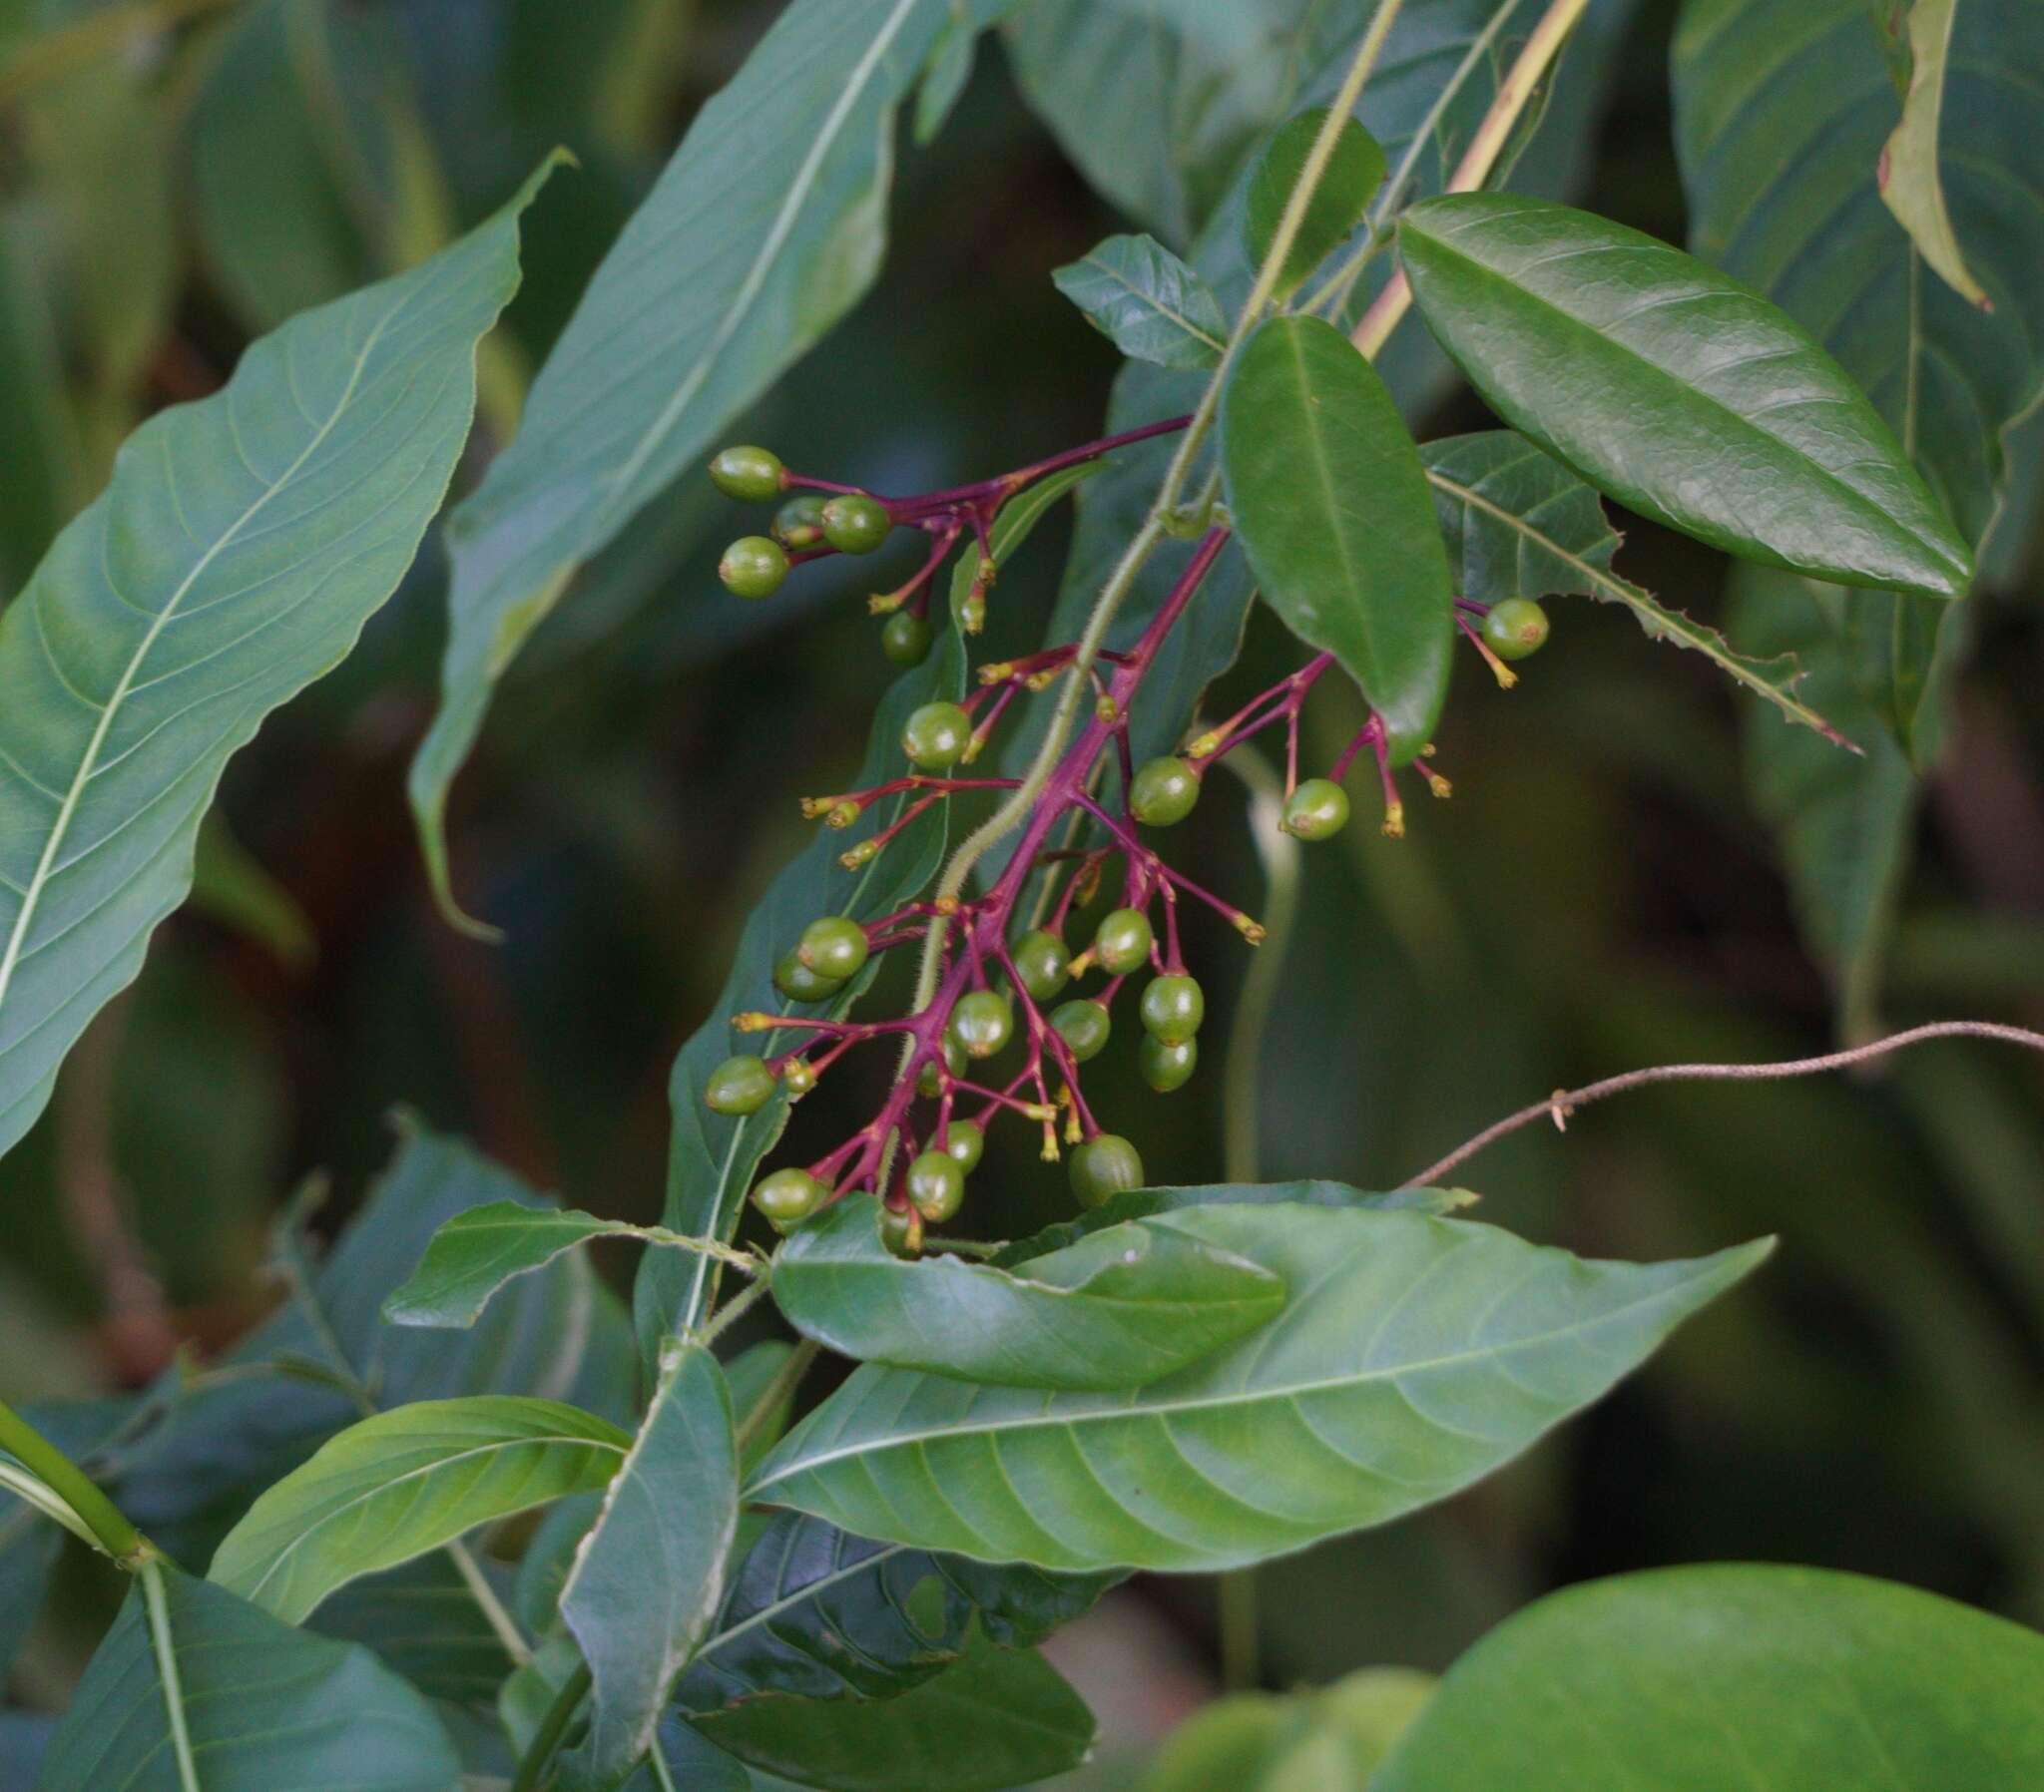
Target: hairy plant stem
533 1771
107 1522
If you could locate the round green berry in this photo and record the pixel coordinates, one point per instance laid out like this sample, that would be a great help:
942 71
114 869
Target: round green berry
833 945
1083 1026
1166 1067
1103 1167
901 1232
1316 810
1515 628
905 637
799 522
982 1022
798 983
1163 792
753 566
1173 1007
742 1084
799 1074
752 475
855 524
1123 943
936 736
787 1197
927 1080
936 1186
1042 963
966 1145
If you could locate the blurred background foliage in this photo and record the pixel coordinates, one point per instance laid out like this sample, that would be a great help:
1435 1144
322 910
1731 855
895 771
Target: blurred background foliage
177 177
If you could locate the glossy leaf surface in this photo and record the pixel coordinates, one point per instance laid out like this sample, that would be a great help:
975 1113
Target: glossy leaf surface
1354 170
1148 302
1479 1343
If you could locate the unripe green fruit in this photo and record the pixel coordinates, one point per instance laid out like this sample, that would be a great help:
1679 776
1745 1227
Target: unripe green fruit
966 1143
752 475
1163 792
787 1197
1316 810
1173 1007
799 522
1123 943
1166 1067
800 1076
1103 1167
798 983
982 1022
1042 963
905 637
1515 628
1083 1026
936 1186
753 566
742 1084
833 945
855 524
936 736
901 1232
926 1079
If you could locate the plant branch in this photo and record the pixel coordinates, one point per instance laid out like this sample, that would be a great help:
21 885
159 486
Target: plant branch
785 1380
532 1771
109 1525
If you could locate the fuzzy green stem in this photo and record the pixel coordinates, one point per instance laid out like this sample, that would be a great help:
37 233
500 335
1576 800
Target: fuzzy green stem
109 1526
539 1758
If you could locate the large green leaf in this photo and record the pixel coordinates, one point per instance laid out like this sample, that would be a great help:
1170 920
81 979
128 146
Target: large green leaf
1153 308
405 1481
241 546
1121 1309
423 1620
1677 390
649 1576
1331 501
1356 167
1475 1344
816 1612
763 231
1790 1678
263 1709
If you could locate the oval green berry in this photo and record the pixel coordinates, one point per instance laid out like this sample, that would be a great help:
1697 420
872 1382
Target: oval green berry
855 524
1173 1007
833 945
799 1074
905 637
1515 628
1163 792
1103 1167
752 475
926 1080
787 1197
742 1084
1166 1067
1123 942
1316 810
753 566
1084 1025
901 1232
966 1143
936 1185
799 522
936 735
982 1022
798 983
1042 963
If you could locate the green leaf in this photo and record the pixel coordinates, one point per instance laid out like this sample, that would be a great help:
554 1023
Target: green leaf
422 1619
1123 1308
647 1578
405 1481
1910 184
1477 1343
1147 301
996 1719
1679 391
814 1612
1296 1743
1355 171
40 460
241 546
1686 1677
1331 501
764 229
229 884
751 1375
263 1709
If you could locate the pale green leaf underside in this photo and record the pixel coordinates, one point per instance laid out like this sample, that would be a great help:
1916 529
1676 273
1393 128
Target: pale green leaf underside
1415 1356
1910 184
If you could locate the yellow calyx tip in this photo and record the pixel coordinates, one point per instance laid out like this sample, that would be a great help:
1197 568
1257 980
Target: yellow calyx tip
1437 785
842 814
1081 963
1394 821
885 603
945 905
1506 678
995 672
1205 747
753 1021
1041 680
862 854
972 749
1253 931
814 807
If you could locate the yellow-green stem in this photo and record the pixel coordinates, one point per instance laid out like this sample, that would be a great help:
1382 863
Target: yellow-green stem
107 1522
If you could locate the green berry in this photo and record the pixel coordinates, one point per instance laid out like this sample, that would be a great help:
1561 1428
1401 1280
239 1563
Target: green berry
905 637
800 1076
855 524
927 1080
833 947
1316 810
798 983
901 1232
966 1143
982 1022
753 566
1043 964
742 1084
1083 1026
799 522
1514 629
1163 792
936 1186
1103 1167
1123 943
1173 1007
752 475
936 736
787 1197
1166 1067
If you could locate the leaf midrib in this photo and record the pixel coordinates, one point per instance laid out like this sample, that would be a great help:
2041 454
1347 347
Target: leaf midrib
1156 305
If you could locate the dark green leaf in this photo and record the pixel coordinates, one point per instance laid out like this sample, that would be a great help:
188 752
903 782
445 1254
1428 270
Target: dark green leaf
1679 391
267 1709
1126 1306
1518 522
750 1373
422 1619
1735 1675
240 548
40 471
1331 501
1313 1427
1349 180
1148 302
